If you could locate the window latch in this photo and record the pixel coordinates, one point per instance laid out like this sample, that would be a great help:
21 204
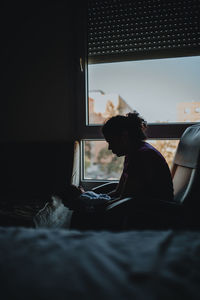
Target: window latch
81 64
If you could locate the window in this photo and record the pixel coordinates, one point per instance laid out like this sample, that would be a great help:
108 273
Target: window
142 55
162 90
187 110
197 109
101 164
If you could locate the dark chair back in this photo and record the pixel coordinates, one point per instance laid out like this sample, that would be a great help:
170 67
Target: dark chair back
186 167
184 211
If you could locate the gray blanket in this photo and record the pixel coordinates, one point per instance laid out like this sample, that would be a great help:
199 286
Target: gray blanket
63 264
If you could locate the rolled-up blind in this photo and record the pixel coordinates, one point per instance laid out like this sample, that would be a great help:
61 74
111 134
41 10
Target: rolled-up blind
129 29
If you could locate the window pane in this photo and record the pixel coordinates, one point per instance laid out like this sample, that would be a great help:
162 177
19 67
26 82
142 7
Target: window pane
166 147
161 90
100 163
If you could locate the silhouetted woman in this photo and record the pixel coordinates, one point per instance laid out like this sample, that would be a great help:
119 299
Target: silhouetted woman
146 174
145 177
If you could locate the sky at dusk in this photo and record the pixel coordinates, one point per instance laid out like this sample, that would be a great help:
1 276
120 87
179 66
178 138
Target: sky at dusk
152 87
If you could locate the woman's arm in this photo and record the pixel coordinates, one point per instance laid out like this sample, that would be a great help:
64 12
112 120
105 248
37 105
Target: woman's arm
117 192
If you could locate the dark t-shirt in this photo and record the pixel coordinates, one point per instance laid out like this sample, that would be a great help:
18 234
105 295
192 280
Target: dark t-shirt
146 174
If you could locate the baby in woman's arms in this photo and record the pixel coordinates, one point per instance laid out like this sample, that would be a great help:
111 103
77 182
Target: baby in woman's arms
57 212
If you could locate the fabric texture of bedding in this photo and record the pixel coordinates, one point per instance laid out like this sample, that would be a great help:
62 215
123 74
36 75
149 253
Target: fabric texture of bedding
68 264
53 215
56 215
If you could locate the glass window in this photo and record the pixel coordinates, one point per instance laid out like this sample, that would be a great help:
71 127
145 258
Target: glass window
148 77
101 164
161 90
187 110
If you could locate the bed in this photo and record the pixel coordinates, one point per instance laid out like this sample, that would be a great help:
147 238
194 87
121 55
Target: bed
58 263
71 264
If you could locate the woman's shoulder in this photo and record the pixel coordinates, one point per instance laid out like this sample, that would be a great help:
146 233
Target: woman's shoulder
144 147
151 158
147 154
147 149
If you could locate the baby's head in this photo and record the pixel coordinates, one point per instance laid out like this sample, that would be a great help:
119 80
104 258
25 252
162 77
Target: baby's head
70 195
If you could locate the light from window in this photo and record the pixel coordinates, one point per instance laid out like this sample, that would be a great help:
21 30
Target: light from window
187 110
160 90
101 164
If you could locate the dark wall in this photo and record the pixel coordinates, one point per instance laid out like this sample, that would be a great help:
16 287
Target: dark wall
39 66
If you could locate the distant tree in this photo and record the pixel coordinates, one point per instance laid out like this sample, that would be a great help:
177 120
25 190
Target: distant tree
88 149
87 158
109 163
167 148
110 110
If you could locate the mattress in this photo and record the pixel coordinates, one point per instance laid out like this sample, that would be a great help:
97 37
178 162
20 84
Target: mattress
70 264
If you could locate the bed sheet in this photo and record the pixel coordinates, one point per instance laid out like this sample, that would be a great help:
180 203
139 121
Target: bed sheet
69 264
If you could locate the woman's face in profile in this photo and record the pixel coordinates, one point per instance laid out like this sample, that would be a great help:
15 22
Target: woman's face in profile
118 144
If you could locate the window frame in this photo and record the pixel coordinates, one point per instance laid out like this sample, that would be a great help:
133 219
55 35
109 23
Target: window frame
90 183
85 131
155 130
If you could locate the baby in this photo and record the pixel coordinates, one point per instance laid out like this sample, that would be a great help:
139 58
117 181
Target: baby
77 199
57 212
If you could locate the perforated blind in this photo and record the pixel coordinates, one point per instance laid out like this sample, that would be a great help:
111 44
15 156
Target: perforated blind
125 29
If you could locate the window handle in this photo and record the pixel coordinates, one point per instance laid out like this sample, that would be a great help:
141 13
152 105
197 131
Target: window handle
81 64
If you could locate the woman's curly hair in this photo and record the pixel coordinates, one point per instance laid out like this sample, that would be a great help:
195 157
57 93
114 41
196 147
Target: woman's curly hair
133 123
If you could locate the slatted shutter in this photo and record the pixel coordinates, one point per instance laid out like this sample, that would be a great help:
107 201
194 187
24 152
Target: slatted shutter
128 30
